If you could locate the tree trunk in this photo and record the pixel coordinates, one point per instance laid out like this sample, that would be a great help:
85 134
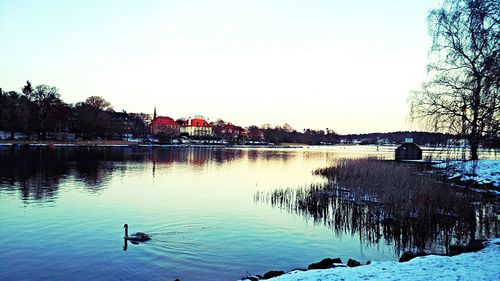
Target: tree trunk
475 135
474 145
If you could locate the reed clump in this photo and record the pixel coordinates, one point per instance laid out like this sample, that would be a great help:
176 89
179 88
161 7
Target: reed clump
403 189
385 200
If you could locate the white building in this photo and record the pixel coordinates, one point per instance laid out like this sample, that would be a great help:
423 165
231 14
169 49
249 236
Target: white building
197 127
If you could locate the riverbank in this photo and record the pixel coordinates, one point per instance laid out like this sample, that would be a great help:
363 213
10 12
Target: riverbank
483 173
121 143
66 143
481 265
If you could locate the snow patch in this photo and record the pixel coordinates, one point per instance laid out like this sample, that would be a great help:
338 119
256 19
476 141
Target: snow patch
482 265
479 171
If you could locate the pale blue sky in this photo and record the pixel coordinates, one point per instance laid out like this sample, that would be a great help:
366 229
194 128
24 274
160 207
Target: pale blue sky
343 65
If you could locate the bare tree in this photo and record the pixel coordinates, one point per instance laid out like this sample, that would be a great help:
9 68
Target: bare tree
218 128
182 121
89 121
255 134
11 108
98 102
287 128
44 98
461 94
266 126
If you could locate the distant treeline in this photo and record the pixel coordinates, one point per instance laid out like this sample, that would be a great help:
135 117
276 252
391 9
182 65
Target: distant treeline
39 113
321 137
400 136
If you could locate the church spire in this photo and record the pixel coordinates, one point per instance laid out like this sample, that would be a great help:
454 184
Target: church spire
154 114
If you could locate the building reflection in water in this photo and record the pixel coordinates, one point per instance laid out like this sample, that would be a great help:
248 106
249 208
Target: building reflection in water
194 156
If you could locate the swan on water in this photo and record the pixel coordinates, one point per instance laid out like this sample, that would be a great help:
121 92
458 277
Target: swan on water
138 236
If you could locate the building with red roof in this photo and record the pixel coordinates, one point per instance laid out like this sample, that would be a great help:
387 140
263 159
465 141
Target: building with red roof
163 125
197 126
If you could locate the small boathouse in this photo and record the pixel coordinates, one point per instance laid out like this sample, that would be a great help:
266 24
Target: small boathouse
408 151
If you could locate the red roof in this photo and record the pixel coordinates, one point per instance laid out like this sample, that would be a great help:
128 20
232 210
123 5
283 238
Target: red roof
199 123
164 121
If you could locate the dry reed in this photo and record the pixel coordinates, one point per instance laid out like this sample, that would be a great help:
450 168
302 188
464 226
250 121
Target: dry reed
386 200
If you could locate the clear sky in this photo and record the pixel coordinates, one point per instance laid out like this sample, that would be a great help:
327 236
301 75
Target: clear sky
343 65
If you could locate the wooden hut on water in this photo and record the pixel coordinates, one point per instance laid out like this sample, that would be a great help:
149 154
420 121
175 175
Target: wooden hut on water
408 151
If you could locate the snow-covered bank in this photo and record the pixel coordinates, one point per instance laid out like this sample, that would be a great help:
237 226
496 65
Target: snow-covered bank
480 171
482 265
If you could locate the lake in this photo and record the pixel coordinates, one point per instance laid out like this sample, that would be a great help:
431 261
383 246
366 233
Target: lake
62 213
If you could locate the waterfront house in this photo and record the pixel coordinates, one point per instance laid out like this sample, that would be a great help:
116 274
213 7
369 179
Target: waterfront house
197 127
120 124
163 125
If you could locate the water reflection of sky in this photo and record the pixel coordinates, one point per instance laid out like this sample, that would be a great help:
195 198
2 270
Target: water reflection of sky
66 208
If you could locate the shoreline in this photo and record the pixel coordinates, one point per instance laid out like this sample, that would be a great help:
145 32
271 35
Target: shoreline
475 265
124 144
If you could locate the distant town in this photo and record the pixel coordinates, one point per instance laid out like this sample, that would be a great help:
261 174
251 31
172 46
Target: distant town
39 114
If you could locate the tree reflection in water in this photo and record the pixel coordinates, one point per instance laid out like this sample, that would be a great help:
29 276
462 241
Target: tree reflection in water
38 172
388 202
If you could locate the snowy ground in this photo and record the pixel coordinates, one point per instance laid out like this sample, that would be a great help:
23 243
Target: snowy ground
481 171
482 265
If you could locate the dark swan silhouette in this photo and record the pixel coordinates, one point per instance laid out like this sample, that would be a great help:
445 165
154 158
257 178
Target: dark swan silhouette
136 237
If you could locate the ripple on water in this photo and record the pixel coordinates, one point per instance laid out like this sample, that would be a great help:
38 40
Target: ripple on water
67 214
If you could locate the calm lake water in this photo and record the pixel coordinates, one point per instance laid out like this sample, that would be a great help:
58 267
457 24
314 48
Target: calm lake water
62 213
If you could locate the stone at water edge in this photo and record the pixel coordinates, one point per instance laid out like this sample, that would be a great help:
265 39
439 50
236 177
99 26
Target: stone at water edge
473 246
353 263
298 269
324 264
407 256
272 274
